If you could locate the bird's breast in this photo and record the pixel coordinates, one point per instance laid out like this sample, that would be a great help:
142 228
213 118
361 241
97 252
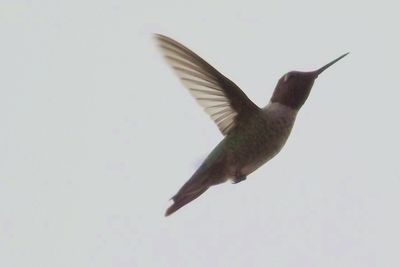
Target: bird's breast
261 138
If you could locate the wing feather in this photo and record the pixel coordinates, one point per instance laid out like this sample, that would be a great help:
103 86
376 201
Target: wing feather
221 99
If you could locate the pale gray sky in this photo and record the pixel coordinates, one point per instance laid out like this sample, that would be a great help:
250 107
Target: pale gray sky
98 133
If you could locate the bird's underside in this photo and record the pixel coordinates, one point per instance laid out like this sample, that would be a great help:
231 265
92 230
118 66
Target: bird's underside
238 154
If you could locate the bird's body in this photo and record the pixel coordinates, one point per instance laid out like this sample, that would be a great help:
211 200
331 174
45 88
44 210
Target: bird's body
243 151
248 147
252 135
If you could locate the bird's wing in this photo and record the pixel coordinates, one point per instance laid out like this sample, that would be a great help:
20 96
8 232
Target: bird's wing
222 99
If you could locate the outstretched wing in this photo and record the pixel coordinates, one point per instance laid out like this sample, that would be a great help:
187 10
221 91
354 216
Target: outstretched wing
222 99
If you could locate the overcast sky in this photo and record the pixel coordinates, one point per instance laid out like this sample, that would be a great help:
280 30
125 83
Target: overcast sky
97 134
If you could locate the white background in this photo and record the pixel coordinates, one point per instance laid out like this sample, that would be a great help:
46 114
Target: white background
96 134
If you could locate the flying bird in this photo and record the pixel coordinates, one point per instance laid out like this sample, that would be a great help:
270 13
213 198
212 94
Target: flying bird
253 135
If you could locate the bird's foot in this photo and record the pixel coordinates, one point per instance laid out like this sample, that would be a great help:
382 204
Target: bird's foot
238 179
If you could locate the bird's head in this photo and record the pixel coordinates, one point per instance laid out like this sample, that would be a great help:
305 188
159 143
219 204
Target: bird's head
294 87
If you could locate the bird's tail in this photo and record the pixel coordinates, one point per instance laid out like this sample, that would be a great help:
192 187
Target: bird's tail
189 192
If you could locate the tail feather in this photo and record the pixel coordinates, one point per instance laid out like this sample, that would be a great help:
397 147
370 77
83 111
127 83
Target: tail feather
183 198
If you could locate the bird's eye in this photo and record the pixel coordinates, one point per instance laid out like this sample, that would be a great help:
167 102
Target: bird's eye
286 77
289 76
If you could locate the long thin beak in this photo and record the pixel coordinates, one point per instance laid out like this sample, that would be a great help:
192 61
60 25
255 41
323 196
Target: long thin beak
320 70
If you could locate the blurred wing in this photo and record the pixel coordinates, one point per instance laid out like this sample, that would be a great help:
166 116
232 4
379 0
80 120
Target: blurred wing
223 100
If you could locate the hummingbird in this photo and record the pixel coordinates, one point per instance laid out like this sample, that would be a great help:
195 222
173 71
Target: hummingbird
252 135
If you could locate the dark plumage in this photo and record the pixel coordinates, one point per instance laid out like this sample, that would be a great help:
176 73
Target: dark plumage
253 135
